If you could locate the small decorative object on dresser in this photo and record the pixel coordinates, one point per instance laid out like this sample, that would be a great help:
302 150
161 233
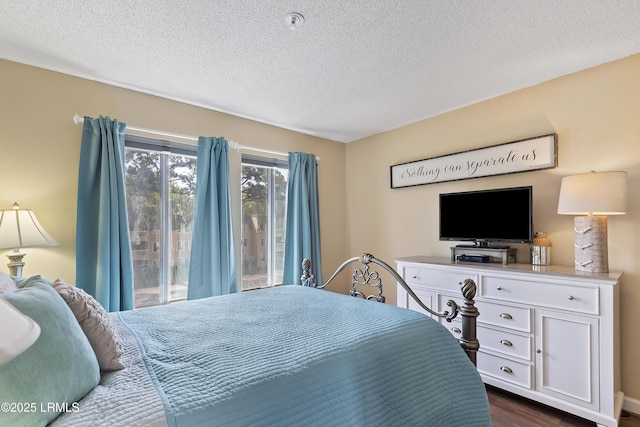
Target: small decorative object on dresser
541 249
546 332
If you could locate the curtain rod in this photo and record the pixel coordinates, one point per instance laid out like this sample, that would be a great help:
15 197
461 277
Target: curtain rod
232 144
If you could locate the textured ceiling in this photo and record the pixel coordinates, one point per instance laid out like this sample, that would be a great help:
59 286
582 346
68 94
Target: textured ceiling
354 69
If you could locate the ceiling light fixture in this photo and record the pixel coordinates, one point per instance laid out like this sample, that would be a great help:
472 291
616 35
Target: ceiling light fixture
294 20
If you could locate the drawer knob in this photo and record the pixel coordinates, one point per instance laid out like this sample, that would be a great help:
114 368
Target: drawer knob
571 298
506 316
499 288
507 343
506 369
456 330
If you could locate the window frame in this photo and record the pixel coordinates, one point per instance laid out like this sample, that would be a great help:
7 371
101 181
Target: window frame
164 149
272 163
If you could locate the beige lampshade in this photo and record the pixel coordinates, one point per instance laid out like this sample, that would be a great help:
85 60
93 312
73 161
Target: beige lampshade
17 332
19 228
596 193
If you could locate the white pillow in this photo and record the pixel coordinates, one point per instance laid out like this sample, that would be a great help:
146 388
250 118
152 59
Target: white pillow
96 324
6 283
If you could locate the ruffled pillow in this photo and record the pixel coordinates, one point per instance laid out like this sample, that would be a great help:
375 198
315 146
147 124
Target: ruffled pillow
7 284
96 324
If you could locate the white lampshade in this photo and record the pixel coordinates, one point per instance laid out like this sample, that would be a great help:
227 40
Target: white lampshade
17 332
19 228
595 193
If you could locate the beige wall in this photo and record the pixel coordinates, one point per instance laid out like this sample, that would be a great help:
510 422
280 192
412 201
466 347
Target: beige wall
40 148
596 114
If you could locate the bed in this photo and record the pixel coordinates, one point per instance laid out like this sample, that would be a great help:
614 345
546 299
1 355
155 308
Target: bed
283 356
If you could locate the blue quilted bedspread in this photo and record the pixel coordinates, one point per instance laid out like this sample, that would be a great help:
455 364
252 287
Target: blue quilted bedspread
297 356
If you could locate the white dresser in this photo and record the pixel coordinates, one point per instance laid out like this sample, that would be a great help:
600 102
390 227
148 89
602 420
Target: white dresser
547 333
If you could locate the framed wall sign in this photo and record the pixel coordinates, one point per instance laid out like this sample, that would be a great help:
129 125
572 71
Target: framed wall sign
540 152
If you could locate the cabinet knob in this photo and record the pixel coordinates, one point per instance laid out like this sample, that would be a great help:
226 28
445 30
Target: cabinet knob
506 369
415 277
456 330
571 298
506 316
538 351
507 343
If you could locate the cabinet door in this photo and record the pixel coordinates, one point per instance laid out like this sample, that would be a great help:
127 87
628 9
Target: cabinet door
567 356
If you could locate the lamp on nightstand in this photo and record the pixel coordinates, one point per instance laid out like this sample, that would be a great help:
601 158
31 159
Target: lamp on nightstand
19 228
593 196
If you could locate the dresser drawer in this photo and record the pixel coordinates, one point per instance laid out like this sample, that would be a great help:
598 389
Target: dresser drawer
504 315
504 369
506 343
436 279
427 297
493 313
455 327
496 341
565 297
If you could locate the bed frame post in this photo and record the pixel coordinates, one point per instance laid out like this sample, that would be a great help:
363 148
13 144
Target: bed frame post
307 279
469 313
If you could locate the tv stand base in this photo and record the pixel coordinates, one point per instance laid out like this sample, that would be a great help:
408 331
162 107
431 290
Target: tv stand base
504 255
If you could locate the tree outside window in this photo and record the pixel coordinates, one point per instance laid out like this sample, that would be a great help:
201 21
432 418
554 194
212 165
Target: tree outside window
160 189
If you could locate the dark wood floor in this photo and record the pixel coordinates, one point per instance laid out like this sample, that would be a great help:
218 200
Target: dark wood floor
509 410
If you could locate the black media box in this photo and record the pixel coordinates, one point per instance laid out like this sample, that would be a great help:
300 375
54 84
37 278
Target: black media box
474 258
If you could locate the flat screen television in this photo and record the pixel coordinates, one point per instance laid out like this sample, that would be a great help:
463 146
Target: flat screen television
481 217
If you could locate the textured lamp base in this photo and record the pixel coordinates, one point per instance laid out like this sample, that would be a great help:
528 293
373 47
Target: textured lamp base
15 263
591 252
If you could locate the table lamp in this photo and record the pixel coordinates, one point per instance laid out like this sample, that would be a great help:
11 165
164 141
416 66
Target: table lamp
592 197
19 228
17 332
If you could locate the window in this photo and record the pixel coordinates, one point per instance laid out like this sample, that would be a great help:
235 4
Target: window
160 186
264 201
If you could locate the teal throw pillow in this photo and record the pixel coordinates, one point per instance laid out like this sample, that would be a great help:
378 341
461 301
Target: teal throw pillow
54 373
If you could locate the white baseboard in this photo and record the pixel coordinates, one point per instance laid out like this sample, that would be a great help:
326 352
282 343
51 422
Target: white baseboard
631 405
